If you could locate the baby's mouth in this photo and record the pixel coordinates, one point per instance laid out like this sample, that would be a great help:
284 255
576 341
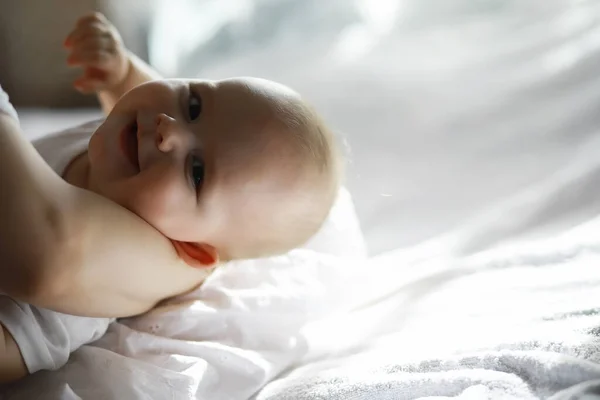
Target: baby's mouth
130 144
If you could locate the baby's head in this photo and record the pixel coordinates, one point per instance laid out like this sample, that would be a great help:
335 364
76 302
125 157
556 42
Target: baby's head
231 169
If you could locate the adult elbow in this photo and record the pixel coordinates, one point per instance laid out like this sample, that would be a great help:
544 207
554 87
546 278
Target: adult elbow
35 269
36 280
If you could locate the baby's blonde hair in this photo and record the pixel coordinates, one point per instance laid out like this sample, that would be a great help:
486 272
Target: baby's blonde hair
321 160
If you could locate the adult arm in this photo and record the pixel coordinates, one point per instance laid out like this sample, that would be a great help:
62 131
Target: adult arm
12 365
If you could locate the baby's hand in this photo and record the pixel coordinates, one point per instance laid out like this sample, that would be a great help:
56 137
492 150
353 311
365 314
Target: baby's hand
95 45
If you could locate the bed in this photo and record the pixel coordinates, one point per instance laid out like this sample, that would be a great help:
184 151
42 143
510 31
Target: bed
462 262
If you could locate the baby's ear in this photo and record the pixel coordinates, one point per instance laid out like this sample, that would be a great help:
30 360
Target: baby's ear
197 255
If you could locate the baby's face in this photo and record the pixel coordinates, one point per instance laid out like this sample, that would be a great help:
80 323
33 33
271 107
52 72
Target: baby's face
201 161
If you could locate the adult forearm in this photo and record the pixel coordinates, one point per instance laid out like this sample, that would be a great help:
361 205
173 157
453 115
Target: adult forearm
29 217
12 365
139 72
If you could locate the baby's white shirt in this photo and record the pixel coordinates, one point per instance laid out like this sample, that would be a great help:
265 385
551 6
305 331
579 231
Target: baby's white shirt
47 338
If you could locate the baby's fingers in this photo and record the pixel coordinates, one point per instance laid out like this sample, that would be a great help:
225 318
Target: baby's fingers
88 86
95 43
87 32
94 24
91 18
92 81
91 57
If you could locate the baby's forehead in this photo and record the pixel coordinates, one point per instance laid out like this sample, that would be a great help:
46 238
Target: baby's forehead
249 116
255 145
270 96
260 103
258 86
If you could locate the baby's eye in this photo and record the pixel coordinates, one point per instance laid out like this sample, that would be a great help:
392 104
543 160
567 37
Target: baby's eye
197 171
194 107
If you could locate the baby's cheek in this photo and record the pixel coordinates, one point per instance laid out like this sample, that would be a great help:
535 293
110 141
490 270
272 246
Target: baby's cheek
162 204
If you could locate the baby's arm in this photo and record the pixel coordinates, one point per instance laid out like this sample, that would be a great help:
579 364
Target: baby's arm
109 69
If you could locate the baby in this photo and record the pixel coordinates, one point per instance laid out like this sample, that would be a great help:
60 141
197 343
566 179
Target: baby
181 175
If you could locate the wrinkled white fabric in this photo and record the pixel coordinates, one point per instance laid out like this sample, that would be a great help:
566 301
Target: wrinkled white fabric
513 323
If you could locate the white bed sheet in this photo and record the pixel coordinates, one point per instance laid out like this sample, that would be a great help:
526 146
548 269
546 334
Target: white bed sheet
514 323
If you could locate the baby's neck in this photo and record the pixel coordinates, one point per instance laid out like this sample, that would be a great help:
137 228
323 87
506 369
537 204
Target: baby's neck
78 171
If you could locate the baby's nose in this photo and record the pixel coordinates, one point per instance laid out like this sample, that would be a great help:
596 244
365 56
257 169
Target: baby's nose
167 135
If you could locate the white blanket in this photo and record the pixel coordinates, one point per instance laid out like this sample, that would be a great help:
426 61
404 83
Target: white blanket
520 320
494 327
